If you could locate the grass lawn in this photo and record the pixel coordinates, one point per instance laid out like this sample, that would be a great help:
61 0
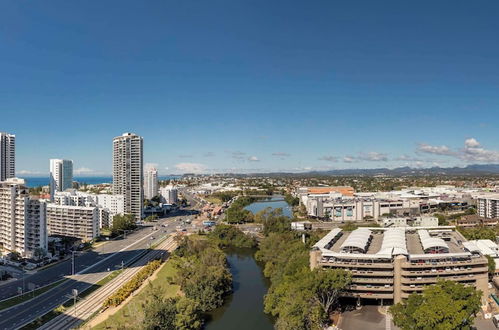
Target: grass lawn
130 315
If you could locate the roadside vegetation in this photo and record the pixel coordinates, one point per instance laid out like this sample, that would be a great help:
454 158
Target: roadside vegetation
121 223
445 305
129 287
194 281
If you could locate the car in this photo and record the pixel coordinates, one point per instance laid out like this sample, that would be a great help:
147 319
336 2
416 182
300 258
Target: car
152 237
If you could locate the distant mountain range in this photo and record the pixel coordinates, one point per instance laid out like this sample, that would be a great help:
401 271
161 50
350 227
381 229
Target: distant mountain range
486 169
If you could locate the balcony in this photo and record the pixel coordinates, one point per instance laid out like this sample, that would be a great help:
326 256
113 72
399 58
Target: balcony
355 264
386 288
372 280
442 271
476 261
432 280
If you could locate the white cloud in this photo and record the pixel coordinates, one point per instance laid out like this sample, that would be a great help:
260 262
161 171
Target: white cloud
253 159
473 152
373 156
435 150
471 143
191 168
367 156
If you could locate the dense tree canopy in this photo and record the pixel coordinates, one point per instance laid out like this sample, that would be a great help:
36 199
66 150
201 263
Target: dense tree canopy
172 314
202 272
446 305
123 222
298 297
227 235
273 221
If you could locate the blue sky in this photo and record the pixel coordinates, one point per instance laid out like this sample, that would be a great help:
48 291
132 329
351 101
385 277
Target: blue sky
251 86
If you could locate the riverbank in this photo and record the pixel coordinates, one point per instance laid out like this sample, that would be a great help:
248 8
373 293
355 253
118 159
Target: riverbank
243 309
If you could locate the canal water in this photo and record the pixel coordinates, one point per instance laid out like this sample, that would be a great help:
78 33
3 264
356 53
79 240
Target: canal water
243 310
273 202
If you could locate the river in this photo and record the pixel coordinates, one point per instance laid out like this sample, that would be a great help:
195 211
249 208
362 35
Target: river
273 202
243 310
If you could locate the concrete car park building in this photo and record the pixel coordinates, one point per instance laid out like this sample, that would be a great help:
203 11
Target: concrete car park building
388 264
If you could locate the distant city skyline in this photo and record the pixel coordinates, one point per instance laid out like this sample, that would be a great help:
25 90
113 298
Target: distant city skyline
257 86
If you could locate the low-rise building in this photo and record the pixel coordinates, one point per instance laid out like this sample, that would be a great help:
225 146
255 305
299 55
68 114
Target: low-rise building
343 209
80 222
169 194
422 221
391 263
488 206
109 205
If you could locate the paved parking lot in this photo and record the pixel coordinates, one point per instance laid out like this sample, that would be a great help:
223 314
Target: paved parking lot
368 317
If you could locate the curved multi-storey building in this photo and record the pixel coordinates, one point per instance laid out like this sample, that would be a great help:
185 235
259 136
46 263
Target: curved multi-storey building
388 264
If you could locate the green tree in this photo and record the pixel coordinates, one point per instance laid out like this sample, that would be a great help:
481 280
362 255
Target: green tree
491 266
327 286
189 316
160 314
202 272
123 222
291 200
227 235
444 306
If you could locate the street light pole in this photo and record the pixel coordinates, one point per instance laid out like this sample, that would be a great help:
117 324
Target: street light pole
72 262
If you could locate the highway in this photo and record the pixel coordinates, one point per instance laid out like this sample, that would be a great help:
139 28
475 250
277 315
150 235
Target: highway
72 317
91 267
84 260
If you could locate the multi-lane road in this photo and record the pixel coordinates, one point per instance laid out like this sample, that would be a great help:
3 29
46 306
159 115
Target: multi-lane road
90 267
85 309
122 249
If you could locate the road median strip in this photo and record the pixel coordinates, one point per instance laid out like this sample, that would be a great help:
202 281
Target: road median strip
51 315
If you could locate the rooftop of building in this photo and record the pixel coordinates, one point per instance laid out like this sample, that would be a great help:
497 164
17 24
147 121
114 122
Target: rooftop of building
387 242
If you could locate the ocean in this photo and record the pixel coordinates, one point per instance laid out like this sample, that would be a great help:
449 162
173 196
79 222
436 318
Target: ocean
32 182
